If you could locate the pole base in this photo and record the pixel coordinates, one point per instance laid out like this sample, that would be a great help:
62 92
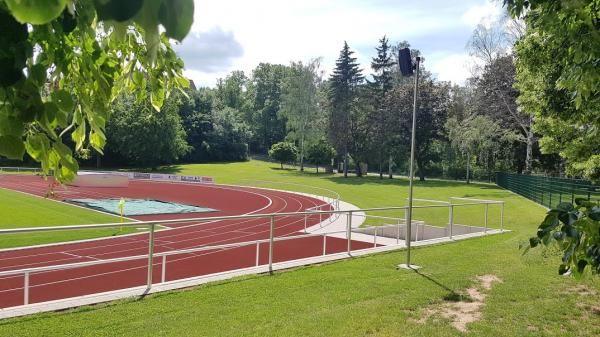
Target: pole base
408 266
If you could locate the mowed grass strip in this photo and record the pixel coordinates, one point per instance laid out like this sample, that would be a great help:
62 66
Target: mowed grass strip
364 296
20 210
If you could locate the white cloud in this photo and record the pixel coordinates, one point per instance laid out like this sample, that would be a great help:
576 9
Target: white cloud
211 51
278 31
485 14
453 68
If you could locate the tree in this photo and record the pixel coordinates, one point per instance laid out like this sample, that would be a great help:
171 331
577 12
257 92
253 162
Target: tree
62 63
495 77
479 137
215 132
144 136
299 102
383 122
432 110
320 152
343 89
558 78
283 152
228 138
265 94
497 98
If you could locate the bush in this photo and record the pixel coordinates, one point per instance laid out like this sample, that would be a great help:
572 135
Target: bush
320 153
283 152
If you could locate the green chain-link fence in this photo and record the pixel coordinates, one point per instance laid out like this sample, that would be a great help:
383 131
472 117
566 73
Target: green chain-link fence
548 191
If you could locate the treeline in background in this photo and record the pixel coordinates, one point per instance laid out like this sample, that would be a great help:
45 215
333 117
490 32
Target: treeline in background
354 121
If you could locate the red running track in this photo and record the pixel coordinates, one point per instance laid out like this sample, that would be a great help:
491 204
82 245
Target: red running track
228 200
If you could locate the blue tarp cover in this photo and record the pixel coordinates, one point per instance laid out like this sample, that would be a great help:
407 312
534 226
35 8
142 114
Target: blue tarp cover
139 206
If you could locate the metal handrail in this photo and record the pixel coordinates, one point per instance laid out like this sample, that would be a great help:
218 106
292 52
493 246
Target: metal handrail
151 255
145 256
218 218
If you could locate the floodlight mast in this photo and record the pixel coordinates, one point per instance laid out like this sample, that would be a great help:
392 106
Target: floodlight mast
412 167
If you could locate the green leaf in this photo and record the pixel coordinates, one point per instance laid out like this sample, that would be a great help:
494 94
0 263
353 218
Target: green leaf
117 10
37 12
177 17
12 147
63 100
565 207
581 265
595 213
10 125
37 146
78 136
533 242
38 74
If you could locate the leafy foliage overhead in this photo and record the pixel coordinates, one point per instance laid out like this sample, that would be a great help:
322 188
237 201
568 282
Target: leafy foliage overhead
63 62
576 231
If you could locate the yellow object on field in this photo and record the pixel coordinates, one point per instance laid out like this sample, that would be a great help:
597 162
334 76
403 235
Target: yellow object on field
122 208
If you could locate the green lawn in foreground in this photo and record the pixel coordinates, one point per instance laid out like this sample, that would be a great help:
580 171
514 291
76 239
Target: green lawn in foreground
364 296
20 210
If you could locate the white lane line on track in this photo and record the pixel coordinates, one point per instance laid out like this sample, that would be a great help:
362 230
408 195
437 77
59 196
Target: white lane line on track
79 256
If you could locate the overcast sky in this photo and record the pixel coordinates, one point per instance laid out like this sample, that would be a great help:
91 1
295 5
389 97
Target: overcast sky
232 35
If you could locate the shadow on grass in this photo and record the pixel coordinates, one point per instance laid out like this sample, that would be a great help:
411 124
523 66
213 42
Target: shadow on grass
452 295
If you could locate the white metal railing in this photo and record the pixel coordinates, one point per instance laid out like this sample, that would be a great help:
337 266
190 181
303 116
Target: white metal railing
212 248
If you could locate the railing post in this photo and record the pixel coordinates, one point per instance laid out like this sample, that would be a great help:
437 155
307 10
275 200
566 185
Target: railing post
271 244
26 288
349 234
305 220
451 218
324 243
502 217
320 217
398 232
375 238
257 253
486 218
163 273
150 256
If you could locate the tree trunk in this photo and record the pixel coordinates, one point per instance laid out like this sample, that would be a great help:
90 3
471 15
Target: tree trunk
468 168
302 151
281 165
358 170
390 167
98 160
380 168
528 152
346 165
421 170
317 168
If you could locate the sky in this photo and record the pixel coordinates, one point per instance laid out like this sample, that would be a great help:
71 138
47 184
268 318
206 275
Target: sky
232 35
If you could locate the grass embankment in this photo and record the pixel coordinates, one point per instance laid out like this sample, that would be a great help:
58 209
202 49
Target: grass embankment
20 210
364 296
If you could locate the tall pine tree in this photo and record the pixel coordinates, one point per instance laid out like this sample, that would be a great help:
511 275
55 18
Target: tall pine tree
344 84
382 83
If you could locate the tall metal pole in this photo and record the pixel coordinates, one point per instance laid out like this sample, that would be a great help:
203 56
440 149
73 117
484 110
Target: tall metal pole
412 168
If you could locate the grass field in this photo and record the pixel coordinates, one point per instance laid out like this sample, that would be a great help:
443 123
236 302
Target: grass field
363 296
21 210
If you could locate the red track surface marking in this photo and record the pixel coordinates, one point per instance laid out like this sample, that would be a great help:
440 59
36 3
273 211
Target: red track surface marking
52 285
